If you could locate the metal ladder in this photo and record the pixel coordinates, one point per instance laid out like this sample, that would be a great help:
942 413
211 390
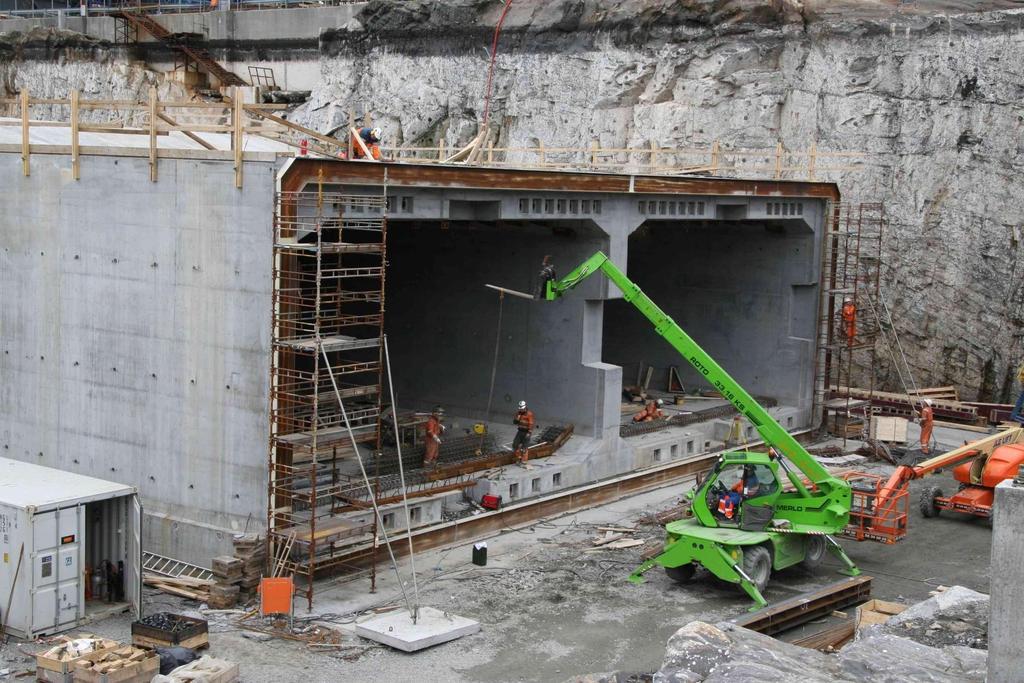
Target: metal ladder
168 566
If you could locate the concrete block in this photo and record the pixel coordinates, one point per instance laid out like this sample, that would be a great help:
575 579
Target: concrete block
433 627
1005 647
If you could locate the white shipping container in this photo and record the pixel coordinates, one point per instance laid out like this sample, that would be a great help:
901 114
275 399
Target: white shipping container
54 527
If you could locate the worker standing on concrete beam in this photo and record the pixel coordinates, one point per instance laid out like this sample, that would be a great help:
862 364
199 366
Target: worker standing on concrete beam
650 412
371 139
524 422
927 419
434 431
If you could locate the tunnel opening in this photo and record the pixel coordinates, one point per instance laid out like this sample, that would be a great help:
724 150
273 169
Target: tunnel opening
746 291
442 322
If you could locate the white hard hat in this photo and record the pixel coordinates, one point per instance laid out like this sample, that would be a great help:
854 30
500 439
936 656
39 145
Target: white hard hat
522 405
927 401
660 402
376 133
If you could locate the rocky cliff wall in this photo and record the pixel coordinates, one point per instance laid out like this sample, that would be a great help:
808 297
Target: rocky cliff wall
935 100
932 93
51 63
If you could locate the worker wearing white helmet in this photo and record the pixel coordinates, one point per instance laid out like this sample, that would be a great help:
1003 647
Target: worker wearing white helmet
927 418
524 422
370 137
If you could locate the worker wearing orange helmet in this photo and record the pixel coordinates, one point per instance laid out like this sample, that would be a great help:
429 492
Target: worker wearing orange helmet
524 421
650 412
371 138
927 419
434 430
849 314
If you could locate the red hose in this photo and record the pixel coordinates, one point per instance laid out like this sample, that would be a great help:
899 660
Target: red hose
490 68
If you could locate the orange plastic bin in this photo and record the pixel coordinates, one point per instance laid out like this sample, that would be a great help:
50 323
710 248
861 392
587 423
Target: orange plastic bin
276 595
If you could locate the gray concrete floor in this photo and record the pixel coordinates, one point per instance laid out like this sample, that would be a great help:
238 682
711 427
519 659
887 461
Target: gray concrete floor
552 607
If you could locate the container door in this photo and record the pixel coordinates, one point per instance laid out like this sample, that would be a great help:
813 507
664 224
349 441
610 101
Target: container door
133 563
56 575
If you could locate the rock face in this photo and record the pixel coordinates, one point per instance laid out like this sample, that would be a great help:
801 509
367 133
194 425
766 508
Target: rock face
51 63
931 99
930 93
957 616
725 652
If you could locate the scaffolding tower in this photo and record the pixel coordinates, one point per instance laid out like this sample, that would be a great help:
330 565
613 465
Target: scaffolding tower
850 323
328 317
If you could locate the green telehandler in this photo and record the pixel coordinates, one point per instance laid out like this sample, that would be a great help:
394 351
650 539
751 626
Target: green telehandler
744 525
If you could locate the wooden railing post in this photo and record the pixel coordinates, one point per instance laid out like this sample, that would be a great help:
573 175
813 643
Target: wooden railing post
351 127
715 154
440 150
593 154
541 154
778 161
152 134
654 155
25 149
812 162
75 169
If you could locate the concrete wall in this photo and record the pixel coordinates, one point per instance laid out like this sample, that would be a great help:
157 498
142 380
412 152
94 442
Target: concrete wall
746 292
135 334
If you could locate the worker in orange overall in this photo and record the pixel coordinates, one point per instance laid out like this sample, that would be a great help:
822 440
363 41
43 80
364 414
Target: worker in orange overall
849 320
650 412
927 419
747 487
434 431
524 422
371 138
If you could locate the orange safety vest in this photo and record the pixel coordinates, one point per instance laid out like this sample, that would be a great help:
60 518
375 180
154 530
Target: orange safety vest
524 419
433 428
726 507
357 151
850 318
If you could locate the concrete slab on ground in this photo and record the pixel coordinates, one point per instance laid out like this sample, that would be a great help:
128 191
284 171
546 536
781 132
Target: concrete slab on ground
431 627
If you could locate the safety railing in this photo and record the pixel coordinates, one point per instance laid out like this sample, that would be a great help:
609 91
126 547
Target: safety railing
714 159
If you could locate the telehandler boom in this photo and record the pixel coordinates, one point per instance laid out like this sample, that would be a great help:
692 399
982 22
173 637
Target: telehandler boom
744 524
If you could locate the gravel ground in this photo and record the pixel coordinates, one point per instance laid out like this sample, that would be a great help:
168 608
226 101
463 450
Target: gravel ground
552 607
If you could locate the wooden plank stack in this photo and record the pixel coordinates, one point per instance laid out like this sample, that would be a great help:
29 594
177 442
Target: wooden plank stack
251 550
182 586
228 573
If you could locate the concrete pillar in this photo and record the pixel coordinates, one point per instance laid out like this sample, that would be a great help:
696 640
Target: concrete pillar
1005 646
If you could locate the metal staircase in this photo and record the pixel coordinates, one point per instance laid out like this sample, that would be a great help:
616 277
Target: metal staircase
144 22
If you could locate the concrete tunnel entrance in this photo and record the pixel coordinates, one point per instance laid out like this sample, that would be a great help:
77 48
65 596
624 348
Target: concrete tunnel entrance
745 291
442 322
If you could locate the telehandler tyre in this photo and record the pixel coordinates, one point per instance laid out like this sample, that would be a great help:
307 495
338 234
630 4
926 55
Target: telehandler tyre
682 573
814 551
757 564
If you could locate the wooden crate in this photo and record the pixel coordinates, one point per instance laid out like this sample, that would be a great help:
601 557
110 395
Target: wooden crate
892 429
63 667
136 672
194 637
196 642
